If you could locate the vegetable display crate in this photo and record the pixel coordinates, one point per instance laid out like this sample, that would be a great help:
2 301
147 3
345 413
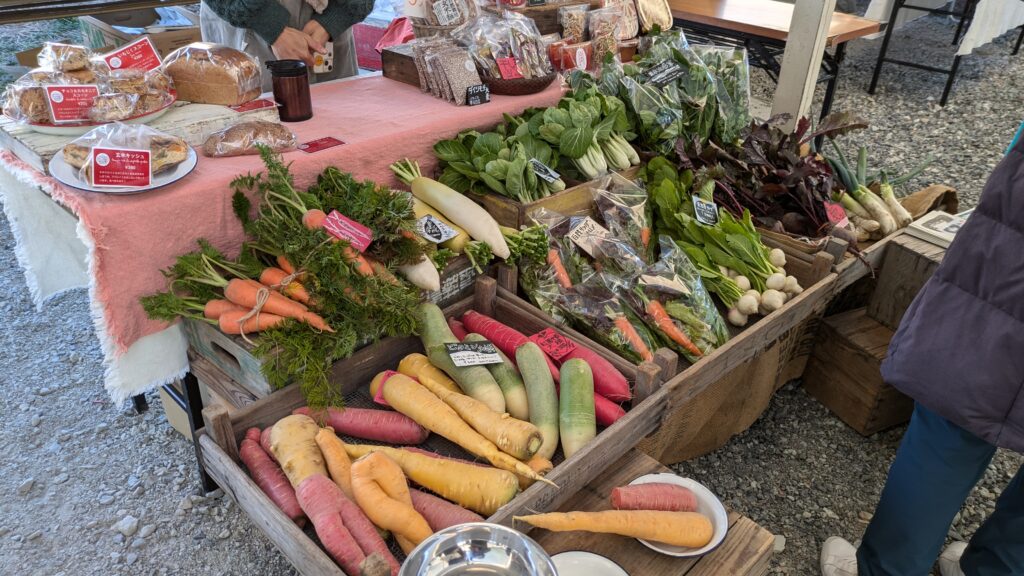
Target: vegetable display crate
222 432
233 355
844 373
909 262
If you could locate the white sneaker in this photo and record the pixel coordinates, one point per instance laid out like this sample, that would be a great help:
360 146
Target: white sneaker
838 558
949 561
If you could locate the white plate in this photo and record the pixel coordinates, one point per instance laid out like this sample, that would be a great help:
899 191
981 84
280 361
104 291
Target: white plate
81 128
578 563
67 174
707 504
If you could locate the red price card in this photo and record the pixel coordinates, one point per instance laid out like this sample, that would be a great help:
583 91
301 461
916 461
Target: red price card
140 54
70 103
508 68
119 167
320 144
345 228
553 344
836 214
254 105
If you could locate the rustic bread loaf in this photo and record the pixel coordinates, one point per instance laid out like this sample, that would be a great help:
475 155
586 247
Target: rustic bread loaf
242 138
213 74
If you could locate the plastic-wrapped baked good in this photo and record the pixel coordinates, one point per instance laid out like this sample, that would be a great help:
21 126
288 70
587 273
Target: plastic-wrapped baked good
629 24
150 102
158 81
64 57
603 25
26 104
128 81
653 13
167 151
112 107
213 74
242 138
573 20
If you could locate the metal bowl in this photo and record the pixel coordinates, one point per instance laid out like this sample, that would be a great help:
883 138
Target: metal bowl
478 549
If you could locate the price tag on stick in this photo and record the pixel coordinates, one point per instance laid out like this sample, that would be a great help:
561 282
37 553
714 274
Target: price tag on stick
543 171
433 230
473 354
705 211
553 344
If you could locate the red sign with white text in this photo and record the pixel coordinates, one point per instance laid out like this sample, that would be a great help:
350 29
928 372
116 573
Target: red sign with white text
140 54
345 228
120 167
508 68
254 105
553 344
70 103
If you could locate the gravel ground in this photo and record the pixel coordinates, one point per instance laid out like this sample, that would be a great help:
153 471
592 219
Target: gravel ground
122 494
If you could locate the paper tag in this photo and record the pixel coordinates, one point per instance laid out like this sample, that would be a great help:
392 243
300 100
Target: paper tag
508 68
664 72
254 105
447 12
553 343
433 230
453 286
543 171
345 228
587 234
140 54
836 214
478 94
473 354
706 212
581 59
320 144
70 103
118 167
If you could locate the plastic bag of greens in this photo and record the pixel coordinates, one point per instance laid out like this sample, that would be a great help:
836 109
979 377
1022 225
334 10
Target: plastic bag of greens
658 113
626 212
731 70
597 311
569 264
676 305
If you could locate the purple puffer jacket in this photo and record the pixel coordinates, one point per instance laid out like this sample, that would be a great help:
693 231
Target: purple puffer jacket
960 348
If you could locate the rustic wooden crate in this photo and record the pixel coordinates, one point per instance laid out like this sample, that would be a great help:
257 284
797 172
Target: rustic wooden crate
909 262
220 436
746 550
545 15
844 373
233 355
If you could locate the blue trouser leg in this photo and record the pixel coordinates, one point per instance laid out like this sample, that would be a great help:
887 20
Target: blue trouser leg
997 548
936 466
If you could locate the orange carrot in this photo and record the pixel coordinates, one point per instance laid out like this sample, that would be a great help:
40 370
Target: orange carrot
284 264
360 262
314 218
231 322
214 308
273 277
381 270
561 275
666 325
645 236
245 293
634 339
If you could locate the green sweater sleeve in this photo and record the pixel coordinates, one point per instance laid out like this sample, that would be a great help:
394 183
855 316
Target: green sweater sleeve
267 18
340 15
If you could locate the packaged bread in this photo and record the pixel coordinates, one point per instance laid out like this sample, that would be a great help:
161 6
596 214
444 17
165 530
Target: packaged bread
242 138
113 107
158 81
64 57
166 151
26 104
213 74
128 81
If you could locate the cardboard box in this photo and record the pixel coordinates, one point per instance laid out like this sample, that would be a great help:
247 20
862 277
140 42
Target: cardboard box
98 31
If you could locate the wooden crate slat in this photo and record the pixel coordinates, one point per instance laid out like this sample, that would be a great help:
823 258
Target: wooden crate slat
909 262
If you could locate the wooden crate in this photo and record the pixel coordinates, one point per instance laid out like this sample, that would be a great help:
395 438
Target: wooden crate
233 355
844 373
220 436
545 15
746 550
909 262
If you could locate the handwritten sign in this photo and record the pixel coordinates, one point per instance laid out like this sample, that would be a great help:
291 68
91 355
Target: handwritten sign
553 344
588 234
139 55
70 103
120 167
473 354
345 228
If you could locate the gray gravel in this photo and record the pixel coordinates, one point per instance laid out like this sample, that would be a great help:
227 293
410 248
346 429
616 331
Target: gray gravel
92 488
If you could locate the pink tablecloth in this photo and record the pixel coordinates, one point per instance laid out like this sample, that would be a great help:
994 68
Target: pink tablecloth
379 120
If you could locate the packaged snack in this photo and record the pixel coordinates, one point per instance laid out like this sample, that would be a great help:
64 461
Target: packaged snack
242 138
167 151
509 47
577 56
214 74
26 103
113 107
653 13
629 24
158 81
128 81
64 57
449 12
603 26
573 20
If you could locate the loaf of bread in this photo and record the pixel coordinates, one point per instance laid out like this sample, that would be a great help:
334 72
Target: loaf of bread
64 57
242 138
213 74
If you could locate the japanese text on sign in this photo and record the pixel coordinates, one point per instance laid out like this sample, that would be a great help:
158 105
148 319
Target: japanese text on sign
345 228
433 230
140 54
588 234
553 344
706 211
119 167
70 103
543 171
473 353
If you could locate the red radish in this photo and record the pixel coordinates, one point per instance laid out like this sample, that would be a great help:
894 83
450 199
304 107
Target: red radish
457 328
606 411
269 477
440 513
505 338
231 322
654 496
368 424
214 308
265 442
608 381
321 500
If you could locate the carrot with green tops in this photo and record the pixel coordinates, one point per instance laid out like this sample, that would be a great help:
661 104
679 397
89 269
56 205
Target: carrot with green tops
246 293
664 323
633 337
231 322
275 277
314 219
213 309
561 274
284 264
381 271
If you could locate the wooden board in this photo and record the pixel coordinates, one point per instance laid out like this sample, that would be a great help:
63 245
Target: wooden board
192 122
909 262
844 373
766 18
746 550
397 63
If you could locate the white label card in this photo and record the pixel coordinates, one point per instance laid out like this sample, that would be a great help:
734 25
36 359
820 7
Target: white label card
588 234
473 354
447 12
433 230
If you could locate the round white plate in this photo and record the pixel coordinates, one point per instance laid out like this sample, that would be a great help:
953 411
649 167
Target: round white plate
67 174
707 504
81 128
578 563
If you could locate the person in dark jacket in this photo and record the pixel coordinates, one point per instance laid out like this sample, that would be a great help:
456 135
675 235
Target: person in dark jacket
959 353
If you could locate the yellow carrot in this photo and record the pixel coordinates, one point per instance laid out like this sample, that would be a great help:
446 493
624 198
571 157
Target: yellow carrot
338 462
418 366
383 494
689 529
538 464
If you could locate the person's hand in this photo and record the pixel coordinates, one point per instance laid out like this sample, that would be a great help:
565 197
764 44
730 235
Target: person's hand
317 32
295 44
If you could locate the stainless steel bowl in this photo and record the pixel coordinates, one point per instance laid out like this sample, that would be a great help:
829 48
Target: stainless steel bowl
478 549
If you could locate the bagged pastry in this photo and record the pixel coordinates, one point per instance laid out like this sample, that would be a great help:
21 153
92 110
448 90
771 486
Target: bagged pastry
166 151
214 74
26 104
242 138
64 57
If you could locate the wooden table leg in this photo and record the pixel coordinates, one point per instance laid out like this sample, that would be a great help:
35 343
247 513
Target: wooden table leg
140 403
